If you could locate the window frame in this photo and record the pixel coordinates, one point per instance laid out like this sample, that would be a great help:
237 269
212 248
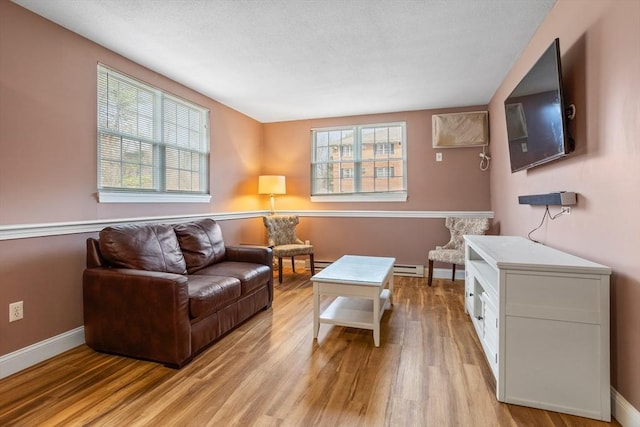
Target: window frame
159 145
360 165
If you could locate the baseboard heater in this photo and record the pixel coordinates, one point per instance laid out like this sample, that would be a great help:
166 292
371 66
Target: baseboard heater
398 269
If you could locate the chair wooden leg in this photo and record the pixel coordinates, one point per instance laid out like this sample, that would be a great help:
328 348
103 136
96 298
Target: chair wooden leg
280 269
293 265
453 274
430 279
313 266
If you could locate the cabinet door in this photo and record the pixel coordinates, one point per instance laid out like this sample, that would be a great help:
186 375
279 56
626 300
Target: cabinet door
485 324
468 292
490 315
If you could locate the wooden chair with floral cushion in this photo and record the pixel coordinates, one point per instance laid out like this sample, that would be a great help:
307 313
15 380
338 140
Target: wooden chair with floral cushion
284 242
453 252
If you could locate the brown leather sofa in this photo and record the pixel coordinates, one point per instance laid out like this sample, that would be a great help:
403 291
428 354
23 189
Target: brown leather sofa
164 293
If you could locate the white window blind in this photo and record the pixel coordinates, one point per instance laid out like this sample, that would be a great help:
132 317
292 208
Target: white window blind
149 141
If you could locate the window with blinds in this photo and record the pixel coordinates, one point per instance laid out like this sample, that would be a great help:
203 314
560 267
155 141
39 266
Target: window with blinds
149 141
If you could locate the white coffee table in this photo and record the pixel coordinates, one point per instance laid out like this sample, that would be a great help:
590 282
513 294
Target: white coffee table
359 283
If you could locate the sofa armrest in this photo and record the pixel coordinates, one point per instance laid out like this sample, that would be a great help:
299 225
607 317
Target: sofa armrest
254 254
137 313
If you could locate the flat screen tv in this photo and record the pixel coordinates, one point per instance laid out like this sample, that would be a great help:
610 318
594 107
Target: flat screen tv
536 115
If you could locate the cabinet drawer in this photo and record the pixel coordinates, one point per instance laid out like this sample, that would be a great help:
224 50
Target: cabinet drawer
566 297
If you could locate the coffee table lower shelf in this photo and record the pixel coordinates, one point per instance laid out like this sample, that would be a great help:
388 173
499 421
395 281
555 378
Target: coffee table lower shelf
355 312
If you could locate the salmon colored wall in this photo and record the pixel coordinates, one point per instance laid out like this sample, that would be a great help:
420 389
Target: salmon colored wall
45 273
601 62
455 184
48 168
49 125
48 161
406 239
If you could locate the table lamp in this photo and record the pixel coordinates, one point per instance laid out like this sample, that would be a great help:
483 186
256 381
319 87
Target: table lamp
272 185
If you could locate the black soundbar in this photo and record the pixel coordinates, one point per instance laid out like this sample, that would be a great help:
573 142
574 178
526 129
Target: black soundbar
563 198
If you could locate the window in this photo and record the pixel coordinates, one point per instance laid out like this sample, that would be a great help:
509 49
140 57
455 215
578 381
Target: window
366 162
150 143
384 148
346 173
384 172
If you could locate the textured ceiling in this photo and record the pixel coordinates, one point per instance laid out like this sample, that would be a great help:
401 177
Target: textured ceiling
292 59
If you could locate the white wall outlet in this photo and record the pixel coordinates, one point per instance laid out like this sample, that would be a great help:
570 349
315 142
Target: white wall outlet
307 242
566 210
438 248
16 311
438 157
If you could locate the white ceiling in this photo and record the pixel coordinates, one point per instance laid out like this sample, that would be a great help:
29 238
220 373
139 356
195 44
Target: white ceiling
278 60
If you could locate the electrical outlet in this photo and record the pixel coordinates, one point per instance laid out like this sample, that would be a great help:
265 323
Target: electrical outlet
16 311
438 157
566 210
438 248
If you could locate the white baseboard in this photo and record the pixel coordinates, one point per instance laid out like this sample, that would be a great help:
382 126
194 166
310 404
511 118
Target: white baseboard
623 411
445 273
38 352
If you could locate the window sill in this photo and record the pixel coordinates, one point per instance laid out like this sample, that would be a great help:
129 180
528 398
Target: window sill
122 197
379 197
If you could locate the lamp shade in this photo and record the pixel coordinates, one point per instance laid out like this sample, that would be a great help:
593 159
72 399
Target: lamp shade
271 184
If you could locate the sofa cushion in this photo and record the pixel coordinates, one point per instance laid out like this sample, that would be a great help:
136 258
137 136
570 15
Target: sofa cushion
201 242
210 293
151 247
251 276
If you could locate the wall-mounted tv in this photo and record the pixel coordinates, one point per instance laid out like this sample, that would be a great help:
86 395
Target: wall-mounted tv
536 115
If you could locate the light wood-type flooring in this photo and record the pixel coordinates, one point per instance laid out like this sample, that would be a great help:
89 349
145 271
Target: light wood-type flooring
428 371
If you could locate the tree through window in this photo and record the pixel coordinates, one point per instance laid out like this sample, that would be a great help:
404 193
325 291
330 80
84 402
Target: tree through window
149 140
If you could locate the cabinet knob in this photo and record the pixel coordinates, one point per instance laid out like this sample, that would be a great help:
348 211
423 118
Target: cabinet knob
470 294
479 317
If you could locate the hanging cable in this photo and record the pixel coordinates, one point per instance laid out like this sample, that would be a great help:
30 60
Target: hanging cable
484 159
547 214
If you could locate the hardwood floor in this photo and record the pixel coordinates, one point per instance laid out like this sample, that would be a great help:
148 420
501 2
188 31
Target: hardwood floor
428 371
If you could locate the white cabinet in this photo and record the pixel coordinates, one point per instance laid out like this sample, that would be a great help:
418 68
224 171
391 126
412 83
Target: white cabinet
542 317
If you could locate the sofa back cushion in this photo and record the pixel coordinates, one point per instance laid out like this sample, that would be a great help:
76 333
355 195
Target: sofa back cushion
151 247
201 242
